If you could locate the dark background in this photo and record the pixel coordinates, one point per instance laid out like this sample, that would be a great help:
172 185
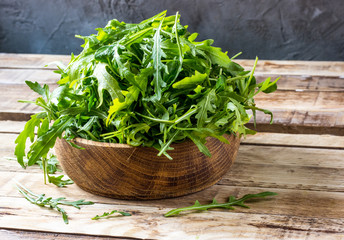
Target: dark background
270 29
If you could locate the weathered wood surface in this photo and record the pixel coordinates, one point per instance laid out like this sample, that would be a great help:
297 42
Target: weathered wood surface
310 201
306 170
305 68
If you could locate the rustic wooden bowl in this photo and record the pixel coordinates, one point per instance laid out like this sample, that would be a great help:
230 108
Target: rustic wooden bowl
125 172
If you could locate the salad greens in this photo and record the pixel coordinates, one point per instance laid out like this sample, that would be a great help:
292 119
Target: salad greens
147 84
49 202
109 214
232 201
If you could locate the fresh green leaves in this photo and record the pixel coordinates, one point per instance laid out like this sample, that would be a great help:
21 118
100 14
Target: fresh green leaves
28 132
46 141
190 82
147 84
49 202
232 201
107 82
110 214
58 181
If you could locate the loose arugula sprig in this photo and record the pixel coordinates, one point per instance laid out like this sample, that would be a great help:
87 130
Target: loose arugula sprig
50 166
147 84
228 205
49 202
107 214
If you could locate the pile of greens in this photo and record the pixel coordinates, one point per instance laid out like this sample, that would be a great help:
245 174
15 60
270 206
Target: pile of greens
148 84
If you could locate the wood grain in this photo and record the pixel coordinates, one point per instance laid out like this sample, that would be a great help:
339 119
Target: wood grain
286 82
272 217
282 217
10 234
126 172
279 67
33 61
288 167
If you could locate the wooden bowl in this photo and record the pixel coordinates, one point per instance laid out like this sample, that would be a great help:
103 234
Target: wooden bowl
125 172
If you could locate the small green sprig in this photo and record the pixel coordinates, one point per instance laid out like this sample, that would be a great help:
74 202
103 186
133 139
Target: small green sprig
49 202
228 205
58 181
107 214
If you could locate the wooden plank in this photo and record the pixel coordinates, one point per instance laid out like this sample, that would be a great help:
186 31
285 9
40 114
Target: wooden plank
286 82
10 234
306 68
310 121
299 140
277 67
305 208
273 217
298 100
13 60
304 82
19 76
263 167
11 127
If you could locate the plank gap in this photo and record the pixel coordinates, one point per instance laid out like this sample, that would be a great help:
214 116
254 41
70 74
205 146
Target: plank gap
293 146
17 233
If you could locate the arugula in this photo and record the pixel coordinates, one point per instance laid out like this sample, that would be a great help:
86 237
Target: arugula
232 201
52 164
108 214
147 84
49 202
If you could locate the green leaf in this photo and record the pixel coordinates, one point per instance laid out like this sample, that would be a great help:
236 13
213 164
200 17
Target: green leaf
157 53
107 82
38 89
190 82
45 142
216 55
108 214
228 205
52 164
58 181
200 143
206 105
49 202
28 132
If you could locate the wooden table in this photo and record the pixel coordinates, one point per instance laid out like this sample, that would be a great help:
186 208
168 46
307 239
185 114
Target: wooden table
300 156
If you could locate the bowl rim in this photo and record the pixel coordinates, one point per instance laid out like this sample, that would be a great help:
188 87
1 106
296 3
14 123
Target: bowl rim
123 145
100 144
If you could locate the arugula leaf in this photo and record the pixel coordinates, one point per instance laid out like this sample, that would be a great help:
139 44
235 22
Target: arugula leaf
107 82
45 142
49 202
157 64
58 181
108 214
206 105
38 89
232 201
51 164
28 132
190 82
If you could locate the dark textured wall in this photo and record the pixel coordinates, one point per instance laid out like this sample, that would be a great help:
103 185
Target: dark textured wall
271 29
